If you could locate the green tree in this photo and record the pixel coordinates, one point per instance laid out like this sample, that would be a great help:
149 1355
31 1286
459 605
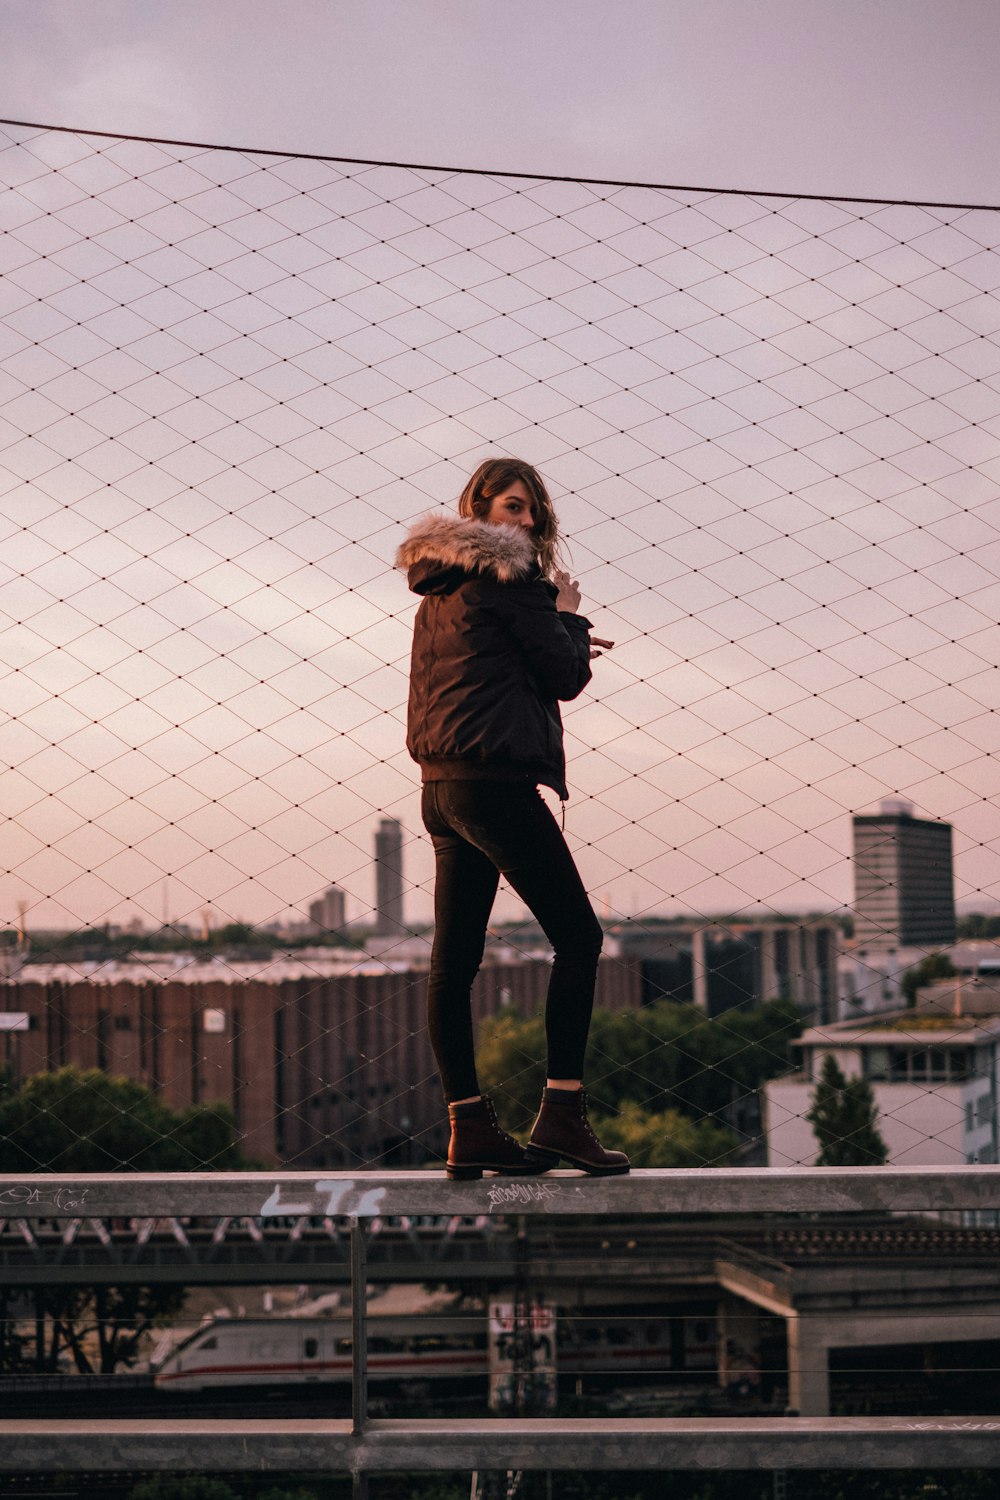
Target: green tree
667 1139
115 1319
279 1492
182 1487
73 1121
935 966
843 1116
975 924
76 1121
665 1056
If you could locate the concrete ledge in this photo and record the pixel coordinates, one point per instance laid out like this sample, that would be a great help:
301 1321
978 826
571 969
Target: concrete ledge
366 1195
291 1447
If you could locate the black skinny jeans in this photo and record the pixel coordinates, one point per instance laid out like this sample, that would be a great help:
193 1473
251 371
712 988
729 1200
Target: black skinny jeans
482 830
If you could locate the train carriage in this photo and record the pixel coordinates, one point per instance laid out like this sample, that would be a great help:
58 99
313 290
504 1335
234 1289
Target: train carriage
278 1351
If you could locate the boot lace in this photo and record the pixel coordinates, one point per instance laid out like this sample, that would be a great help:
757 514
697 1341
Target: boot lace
491 1111
585 1121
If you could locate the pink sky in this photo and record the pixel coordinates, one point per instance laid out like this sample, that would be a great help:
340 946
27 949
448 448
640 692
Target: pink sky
773 428
890 99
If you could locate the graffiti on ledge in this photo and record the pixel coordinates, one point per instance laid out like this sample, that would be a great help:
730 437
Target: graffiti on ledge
354 1200
510 1194
60 1200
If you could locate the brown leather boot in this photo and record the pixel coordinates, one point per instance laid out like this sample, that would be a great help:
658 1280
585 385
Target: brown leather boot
479 1144
563 1130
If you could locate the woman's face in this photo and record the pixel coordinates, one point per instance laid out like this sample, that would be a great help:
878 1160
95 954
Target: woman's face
513 507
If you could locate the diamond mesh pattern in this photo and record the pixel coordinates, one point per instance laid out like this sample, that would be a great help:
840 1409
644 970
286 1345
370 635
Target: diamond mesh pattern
231 380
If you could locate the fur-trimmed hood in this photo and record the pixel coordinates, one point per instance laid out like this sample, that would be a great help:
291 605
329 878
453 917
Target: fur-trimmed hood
492 655
439 545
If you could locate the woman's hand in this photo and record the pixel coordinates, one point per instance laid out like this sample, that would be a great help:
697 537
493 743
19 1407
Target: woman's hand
568 600
568 597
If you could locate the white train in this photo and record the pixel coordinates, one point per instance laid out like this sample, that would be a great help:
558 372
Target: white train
277 1351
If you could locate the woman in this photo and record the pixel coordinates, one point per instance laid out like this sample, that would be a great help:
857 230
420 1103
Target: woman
497 642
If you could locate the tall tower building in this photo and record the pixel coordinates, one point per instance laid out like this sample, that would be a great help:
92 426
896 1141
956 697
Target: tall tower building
903 884
389 877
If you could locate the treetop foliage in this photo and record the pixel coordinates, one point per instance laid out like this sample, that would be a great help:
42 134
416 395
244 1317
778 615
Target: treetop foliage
87 1121
182 1487
935 966
666 1056
843 1116
667 1138
661 1080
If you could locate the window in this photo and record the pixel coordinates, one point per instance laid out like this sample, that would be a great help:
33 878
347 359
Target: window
432 1343
918 1064
876 1062
310 1348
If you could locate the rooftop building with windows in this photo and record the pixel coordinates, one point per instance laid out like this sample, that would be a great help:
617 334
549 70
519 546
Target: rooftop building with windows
918 1067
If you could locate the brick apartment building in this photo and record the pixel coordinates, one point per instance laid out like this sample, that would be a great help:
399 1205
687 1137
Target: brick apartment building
323 1064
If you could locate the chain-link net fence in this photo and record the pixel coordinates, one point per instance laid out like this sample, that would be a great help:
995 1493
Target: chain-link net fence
231 381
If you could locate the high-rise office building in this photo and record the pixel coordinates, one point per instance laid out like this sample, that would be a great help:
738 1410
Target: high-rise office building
329 912
389 877
903 883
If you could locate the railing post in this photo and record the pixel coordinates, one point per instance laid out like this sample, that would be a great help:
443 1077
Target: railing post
359 1345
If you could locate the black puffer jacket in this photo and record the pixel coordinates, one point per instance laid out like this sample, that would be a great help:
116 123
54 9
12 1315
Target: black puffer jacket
491 655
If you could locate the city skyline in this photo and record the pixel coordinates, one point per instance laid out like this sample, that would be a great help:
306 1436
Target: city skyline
331 913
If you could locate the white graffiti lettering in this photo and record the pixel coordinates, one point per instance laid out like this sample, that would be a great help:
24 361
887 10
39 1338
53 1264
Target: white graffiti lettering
948 1426
346 1199
62 1200
504 1194
366 1207
275 1206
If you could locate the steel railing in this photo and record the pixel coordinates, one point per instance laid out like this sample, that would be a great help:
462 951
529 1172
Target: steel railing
363 1446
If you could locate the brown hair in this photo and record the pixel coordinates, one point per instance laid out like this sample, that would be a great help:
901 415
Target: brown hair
498 474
